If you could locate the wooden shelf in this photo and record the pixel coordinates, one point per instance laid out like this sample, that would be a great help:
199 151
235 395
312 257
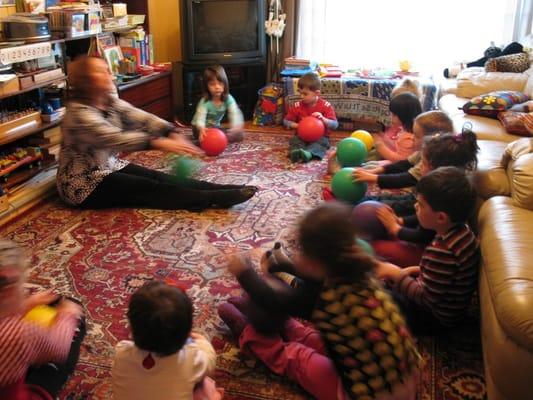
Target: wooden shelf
33 87
24 173
23 132
142 80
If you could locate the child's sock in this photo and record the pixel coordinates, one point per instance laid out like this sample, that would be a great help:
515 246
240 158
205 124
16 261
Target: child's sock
279 254
305 156
295 155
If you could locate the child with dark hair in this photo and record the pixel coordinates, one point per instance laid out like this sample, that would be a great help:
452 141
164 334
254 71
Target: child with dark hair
214 104
370 353
35 361
404 108
406 173
310 105
437 293
165 360
409 238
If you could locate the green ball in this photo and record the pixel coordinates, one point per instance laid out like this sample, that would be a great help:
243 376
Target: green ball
365 246
344 187
351 152
184 167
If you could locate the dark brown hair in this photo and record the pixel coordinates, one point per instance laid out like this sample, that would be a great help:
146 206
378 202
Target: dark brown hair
406 107
309 81
456 150
447 189
210 74
327 235
160 317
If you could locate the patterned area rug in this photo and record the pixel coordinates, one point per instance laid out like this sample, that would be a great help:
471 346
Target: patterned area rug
101 257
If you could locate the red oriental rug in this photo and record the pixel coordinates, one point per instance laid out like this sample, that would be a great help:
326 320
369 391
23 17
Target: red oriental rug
101 257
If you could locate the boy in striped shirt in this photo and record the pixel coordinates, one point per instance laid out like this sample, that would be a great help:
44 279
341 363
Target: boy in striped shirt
437 293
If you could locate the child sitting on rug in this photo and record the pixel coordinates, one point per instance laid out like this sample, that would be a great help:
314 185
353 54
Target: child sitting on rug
370 353
440 150
437 293
311 104
408 238
214 104
165 360
35 361
387 141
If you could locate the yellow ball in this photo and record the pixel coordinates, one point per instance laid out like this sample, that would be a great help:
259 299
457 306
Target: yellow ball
364 137
42 315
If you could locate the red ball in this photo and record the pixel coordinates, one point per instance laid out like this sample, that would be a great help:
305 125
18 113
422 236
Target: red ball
311 129
214 142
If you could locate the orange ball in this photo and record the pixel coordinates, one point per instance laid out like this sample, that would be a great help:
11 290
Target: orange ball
214 142
311 129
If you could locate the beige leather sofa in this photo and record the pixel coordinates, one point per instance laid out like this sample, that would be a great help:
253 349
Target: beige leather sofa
505 226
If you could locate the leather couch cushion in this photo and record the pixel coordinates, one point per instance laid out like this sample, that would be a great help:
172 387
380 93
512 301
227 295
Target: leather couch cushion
474 82
520 173
484 128
507 249
490 179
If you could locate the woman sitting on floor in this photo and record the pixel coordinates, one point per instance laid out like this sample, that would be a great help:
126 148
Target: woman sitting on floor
98 126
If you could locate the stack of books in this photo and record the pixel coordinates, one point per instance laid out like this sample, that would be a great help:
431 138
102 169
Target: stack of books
297 66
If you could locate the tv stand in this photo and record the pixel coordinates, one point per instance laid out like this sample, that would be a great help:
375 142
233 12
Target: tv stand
245 80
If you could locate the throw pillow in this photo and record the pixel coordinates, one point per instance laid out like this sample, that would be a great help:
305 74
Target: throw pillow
490 104
513 122
511 63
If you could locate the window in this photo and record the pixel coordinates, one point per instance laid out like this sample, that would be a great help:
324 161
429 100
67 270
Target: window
430 34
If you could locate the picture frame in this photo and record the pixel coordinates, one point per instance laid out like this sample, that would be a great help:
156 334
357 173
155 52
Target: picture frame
113 55
77 24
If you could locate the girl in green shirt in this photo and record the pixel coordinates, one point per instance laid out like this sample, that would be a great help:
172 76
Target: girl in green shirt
214 104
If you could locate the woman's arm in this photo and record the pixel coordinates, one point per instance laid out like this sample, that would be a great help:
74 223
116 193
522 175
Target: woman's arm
87 126
136 119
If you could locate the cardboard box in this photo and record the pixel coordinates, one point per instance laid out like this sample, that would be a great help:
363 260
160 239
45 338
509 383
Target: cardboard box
10 85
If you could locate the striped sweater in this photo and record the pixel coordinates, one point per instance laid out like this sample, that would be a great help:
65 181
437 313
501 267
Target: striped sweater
23 344
448 275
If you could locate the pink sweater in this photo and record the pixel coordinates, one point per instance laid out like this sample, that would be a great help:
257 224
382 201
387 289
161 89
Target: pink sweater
394 146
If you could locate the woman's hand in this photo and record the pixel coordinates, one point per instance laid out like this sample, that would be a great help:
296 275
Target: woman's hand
390 220
177 144
362 175
376 171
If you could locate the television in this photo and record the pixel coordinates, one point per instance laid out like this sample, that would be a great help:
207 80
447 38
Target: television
223 31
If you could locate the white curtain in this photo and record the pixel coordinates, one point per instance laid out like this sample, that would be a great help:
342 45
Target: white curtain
430 34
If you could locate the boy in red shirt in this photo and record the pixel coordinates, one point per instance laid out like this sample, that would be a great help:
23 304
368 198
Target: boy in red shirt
310 105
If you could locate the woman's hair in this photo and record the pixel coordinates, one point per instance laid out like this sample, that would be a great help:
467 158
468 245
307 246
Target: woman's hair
406 107
160 317
210 74
310 81
407 85
432 122
447 189
327 235
79 76
452 150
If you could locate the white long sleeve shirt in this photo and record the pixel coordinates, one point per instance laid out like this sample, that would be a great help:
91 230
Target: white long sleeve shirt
171 377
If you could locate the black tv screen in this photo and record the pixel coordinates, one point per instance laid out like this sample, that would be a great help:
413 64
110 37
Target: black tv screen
224 30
